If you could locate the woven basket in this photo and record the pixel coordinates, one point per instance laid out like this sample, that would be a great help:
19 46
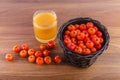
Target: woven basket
82 60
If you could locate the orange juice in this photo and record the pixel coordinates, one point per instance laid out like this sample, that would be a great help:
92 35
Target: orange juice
45 26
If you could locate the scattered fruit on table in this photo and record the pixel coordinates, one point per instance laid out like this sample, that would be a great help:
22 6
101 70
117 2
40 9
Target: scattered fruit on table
38 54
16 48
23 53
9 57
31 58
47 60
31 51
43 47
39 60
51 44
57 59
41 56
46 53
25 46
83 38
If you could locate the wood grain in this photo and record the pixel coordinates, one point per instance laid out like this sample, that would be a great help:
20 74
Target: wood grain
16 28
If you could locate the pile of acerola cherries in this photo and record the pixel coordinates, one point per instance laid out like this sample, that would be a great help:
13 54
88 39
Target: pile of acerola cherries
83 38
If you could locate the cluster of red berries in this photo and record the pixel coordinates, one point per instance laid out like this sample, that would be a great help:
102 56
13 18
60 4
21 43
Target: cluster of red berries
38 56
83 38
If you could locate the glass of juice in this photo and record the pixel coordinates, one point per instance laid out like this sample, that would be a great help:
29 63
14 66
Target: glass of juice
45 25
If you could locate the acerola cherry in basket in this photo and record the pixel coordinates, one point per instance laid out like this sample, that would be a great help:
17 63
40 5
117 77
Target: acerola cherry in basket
83 38
71 27
78 49
73 33
82 27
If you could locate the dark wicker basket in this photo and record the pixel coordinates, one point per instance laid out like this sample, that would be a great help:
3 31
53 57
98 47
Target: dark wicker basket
81 60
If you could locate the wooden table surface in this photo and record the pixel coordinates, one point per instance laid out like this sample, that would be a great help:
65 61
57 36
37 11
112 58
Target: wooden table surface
16 28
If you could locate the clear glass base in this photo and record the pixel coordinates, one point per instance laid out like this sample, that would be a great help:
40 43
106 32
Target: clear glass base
44 41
